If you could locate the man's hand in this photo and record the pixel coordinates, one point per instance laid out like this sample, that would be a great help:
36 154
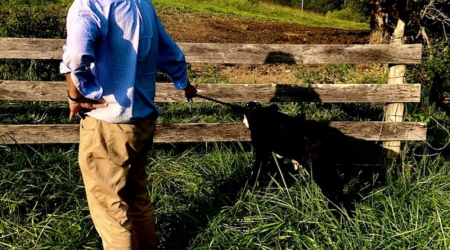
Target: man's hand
190 91
84 103
77 102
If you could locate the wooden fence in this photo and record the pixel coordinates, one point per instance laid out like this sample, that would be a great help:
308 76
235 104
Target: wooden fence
22 48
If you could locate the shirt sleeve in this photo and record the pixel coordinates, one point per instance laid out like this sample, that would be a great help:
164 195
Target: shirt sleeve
171 59
83 29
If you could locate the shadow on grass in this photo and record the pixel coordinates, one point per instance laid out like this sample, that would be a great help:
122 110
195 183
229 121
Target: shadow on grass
332 159
180 223
343 184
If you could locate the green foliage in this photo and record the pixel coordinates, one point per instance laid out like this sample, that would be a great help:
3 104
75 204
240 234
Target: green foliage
320 6
202 202
434 76
323 6
359 7
348 14
16 112
210 74
353 10
434 72
340 9
42 21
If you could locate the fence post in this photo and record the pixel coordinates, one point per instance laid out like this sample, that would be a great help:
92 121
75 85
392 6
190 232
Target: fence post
394 112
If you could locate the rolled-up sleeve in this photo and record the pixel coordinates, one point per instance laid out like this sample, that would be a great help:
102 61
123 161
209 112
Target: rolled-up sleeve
171 58
83 29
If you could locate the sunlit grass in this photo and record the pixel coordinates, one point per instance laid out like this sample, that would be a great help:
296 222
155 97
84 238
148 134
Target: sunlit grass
261 10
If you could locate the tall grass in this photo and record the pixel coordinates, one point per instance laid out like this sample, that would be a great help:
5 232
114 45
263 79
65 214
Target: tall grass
202 201
43 204
407 210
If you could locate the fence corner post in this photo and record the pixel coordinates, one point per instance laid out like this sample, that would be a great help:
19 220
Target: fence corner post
394 112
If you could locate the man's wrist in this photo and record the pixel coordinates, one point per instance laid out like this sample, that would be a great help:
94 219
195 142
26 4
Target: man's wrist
75 99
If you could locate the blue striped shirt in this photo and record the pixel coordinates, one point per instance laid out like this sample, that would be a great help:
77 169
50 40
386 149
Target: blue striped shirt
113 50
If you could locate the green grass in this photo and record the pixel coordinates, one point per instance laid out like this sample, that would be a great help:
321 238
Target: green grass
202 202
261 11
235 8
408 210
43 203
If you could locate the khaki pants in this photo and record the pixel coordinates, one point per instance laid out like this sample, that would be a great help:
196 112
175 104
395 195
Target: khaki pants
112 159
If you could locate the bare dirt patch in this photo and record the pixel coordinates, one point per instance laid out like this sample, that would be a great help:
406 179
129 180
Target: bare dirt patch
194 27
202 28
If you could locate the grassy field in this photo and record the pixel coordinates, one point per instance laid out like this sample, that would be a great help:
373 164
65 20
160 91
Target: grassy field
261 10
200 190
237 8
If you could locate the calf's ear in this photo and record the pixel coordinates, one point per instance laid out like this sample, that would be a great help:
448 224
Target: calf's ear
246 122
253 104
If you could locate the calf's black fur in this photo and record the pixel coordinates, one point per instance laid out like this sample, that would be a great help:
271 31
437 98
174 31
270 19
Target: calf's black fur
315 145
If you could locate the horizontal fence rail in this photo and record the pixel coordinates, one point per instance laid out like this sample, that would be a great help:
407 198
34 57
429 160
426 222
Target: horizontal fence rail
34 48
31 48
166 92
197 132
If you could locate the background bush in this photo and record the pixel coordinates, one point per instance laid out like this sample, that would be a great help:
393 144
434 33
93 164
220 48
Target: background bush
32 21
348 14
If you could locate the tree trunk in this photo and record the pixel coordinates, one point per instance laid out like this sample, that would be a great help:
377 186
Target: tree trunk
378 28
384 16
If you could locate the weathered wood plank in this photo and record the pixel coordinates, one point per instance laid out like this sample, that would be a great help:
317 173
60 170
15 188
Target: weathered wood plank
300 53
371 131
326 93
34 48
31 48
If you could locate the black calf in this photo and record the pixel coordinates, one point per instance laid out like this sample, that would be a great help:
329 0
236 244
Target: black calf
314 145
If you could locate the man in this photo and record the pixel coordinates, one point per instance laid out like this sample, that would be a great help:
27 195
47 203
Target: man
111 56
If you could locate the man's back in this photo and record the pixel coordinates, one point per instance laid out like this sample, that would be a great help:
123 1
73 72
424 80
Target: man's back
123 44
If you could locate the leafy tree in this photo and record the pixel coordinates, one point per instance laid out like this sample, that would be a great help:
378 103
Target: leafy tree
428 20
